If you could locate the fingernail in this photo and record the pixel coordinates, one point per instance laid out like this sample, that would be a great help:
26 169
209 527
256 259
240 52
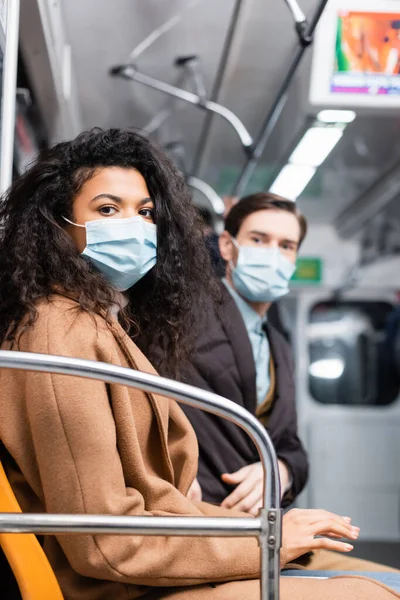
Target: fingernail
354 535
348 547
347 519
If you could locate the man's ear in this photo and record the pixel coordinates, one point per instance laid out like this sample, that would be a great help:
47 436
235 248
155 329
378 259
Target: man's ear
226 247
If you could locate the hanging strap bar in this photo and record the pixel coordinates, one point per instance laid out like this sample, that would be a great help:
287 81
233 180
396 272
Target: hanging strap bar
130 72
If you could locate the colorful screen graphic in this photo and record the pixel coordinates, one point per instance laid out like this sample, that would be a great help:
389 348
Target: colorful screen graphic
367 57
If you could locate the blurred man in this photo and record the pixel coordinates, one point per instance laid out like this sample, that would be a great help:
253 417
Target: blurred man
242 357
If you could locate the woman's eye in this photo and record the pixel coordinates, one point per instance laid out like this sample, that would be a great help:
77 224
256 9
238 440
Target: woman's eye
148 213
257 240
108 210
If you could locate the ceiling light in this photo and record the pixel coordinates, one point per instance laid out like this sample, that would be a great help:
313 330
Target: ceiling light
316 144
336 116
292 180
328 368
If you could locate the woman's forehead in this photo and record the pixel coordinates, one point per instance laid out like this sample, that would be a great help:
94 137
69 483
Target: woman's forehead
128 184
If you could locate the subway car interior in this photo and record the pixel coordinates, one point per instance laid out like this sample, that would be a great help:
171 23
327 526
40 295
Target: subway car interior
299 99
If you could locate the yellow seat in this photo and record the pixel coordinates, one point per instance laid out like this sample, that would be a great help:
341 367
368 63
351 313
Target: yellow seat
25 555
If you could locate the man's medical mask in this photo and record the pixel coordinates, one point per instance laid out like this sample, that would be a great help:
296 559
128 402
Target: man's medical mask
261 274
123 250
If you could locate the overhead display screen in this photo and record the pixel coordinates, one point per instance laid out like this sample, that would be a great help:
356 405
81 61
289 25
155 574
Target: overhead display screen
356 59
367 54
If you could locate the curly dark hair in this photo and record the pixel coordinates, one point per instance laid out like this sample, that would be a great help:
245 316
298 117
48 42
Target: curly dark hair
38 257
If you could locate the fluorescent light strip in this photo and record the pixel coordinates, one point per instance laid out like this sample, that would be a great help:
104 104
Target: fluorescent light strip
336 116
315 145
292 180
312 150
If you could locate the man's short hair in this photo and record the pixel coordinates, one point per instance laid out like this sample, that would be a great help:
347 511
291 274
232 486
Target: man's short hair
262 201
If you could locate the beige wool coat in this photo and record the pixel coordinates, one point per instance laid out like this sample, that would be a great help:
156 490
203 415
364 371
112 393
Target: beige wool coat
80 446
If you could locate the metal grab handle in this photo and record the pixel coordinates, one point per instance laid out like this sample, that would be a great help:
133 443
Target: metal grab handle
209 192
267 527
130 72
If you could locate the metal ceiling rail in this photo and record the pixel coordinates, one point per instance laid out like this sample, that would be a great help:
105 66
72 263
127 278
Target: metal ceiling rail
216 201
300 21
305 33
218 82
252 149
267 527
130 72
164 113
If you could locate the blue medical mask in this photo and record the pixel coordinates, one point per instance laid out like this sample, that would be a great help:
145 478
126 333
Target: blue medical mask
261 274
123 250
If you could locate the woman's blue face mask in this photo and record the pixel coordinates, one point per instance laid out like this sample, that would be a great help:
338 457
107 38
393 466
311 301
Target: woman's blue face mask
261 274
123 250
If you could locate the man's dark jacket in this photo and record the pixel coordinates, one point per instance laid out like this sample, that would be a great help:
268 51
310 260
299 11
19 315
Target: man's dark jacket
223 363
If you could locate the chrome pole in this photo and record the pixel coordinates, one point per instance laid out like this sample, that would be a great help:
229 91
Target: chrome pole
270 530
297 13
9 92
219 78
305 33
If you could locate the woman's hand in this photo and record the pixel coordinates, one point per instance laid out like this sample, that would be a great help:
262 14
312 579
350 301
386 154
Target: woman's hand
194 492
300 527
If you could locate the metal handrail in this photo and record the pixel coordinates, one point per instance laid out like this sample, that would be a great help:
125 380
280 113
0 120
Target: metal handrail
267 527
129 71
105 524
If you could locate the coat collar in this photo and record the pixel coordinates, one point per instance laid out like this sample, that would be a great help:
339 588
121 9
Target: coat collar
252 320
235 330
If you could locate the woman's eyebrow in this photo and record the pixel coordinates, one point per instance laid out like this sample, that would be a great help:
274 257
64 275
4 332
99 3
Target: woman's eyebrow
109 196
118 199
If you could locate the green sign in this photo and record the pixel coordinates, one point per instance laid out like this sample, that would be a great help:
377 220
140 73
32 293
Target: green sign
308 271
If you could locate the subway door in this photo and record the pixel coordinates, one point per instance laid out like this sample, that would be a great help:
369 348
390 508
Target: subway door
349 407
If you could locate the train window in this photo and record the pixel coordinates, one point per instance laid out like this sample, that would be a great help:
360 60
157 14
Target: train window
354 352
